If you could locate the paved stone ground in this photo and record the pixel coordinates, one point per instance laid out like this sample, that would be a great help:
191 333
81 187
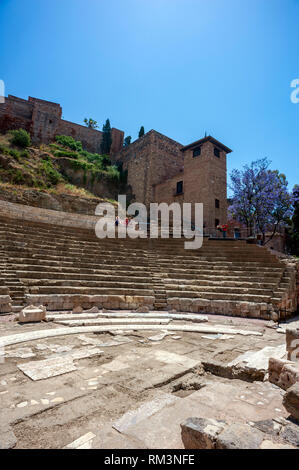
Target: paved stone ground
156 384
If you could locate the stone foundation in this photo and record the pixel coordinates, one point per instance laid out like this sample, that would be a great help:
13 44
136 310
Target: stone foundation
205 433
70 302
222 307
283 373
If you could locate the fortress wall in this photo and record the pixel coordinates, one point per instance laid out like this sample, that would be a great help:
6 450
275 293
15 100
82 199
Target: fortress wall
90 138
42 119
149 161
15 113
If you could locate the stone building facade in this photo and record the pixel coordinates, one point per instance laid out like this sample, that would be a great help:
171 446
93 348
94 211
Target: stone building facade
162 170
159 168
43 120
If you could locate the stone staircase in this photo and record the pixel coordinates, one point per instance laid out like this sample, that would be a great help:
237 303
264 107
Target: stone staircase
5 299
62 268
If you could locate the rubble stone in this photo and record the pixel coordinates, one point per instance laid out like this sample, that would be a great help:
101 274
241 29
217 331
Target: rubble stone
283 373
201 433
292 339
291 401
32 314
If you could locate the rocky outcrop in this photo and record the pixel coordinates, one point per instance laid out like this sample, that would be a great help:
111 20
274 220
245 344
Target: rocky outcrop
46 200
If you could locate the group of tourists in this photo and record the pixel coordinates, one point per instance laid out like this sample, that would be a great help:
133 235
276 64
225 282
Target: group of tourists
118 221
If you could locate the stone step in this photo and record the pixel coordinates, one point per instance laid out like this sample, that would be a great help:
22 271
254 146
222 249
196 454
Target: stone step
69 240
107 284
114 321
81 277
90 291
160 306
181 254
17 308
37 272
237 290
86 248
72 263
218 296
222 282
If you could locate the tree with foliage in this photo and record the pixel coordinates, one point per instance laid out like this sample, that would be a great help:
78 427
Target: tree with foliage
91 123
293 228
107 138
261 199
20 138
141 132
127 141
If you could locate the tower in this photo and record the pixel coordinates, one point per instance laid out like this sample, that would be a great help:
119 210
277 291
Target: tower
204 178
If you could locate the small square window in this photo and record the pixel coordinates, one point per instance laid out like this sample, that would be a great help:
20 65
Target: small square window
196 152
216 223
216 152
179 187
217 203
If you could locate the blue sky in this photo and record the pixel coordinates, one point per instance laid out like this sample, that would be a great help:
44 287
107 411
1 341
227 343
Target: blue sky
182 67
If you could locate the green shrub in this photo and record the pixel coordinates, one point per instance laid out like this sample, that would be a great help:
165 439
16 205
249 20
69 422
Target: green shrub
82 165
113 174
15 154
65 153
17 177
51 173
20 138
25 154
69 142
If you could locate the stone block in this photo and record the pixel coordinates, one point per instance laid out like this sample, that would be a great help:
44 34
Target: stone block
240 436
292 340
201 433
283 373
291 401
7 438
78 309
32 314
290 433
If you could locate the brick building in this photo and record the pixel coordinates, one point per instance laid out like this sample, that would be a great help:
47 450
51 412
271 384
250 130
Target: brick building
162 170
42 119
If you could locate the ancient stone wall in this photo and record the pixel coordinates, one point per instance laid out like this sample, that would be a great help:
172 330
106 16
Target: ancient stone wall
150 160
99 186
43 120
15 113
46 216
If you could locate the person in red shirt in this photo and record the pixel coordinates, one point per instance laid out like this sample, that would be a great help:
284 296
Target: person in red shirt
224 228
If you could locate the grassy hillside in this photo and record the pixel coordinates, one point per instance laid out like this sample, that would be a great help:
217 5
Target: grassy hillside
43 167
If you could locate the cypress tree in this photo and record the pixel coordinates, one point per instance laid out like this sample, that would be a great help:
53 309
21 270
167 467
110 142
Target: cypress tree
141 132
107 138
